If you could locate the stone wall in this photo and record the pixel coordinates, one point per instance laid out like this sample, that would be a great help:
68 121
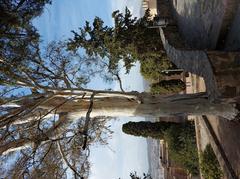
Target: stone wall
194 61
219 69
226 67
164 8
230 12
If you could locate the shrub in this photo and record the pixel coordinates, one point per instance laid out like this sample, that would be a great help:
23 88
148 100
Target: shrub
182 147
151 68
209 165
179 136
168 87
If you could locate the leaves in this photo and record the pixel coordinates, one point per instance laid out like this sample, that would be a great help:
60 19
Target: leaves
209 164
129 40
18 37
182 146
167 87
134 175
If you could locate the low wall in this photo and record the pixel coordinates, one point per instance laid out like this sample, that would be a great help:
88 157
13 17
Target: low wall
194 61
164 8
226 67
219 69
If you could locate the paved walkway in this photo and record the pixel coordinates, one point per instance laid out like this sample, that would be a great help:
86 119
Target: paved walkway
227 133
221 134
200 23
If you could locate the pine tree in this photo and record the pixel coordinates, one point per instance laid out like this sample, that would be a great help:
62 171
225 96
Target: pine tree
19 39
129 40
148 129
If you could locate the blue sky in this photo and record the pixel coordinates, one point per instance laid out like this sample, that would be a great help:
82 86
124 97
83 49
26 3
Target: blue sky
124 153
65 15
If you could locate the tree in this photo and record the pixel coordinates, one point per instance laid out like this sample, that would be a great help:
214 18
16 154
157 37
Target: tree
152 69
130 40
54 114
50 141
50 120
182 146
55 81
19 39
147 128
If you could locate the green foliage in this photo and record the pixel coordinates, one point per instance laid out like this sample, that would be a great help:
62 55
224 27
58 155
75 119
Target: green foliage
180 138
18 37
168 87
130 40
134 175
147 128
182 146
152 68
209 165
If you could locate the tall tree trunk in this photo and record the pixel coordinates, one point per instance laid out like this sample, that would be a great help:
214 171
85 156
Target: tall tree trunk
115 106
151 105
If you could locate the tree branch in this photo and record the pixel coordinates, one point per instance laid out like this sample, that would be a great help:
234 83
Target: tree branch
87 121
120 81
67 162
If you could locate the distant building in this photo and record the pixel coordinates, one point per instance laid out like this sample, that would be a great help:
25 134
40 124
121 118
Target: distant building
150 4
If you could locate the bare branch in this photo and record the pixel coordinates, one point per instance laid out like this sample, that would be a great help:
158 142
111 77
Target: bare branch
87 121
119 81
21 112
67 162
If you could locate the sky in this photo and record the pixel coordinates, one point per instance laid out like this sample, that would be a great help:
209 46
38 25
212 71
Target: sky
124 153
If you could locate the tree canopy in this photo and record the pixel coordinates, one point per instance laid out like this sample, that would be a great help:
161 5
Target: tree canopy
48 142
129 40
19 39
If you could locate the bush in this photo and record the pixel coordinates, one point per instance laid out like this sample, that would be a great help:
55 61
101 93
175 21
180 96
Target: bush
134 175
179 136
182 147
209 165
168 87
151 68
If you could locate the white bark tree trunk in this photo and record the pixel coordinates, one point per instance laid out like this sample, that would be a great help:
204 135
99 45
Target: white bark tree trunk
149 105
74 106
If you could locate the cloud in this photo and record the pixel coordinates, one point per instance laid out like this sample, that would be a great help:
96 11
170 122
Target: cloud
132 81
129 154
